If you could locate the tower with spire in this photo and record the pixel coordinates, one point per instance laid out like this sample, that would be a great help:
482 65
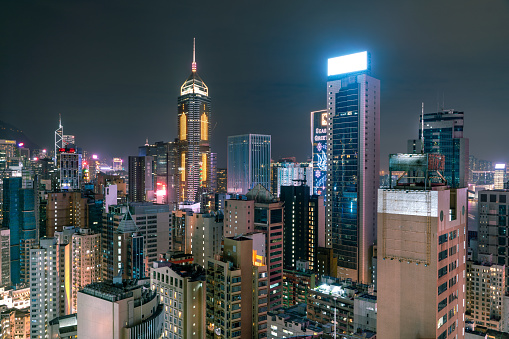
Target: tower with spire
193 135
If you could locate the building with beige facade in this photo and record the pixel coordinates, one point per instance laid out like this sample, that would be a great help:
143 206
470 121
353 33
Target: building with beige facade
237 292
119 309
86 262
181 290
485 295
15 324
421 252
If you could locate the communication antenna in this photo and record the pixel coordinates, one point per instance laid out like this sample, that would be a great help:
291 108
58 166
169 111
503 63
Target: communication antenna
422 128
193 65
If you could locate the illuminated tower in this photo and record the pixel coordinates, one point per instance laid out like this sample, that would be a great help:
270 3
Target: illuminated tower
194 135
353 141
59 135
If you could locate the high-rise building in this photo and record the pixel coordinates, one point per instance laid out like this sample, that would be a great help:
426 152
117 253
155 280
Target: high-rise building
69 168
7 149
353 149
241 313
65 209
86 262
480 172
68 140
221 180
153 223
319 121
141 175
248 162
59 134
499 176
122 248
493 207
182 292
300 230
421 252
485 292
20 217
49 284
443 134
5 257
203 233
118 164
260 213
290 174
165 156
119 309
194 116
213 172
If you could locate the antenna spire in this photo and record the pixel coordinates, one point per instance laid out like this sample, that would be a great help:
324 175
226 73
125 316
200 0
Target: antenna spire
422 128
193 65
59 120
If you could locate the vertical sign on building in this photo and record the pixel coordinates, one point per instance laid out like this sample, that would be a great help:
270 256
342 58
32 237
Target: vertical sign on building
319 142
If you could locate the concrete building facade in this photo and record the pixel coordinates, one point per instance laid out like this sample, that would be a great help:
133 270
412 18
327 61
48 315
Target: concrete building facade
181 290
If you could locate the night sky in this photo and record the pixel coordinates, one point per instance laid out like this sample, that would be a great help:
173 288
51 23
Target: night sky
113 69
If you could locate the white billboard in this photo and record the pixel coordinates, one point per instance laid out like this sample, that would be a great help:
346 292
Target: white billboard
348 63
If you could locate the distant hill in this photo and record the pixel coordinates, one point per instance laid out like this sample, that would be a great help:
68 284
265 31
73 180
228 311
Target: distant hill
10 132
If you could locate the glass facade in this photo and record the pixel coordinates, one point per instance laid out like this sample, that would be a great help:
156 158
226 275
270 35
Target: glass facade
352 149
20 218
344 176
443 134
194 135
248 162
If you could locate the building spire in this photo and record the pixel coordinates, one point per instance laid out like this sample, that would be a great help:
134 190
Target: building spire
193 65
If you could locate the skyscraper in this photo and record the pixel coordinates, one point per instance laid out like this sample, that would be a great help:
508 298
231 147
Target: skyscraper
20 218
353 139
248 162
69 168
194 135
300 229
165 171
49 284
141 178
443 134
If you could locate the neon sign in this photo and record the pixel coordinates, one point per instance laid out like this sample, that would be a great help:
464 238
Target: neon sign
319 142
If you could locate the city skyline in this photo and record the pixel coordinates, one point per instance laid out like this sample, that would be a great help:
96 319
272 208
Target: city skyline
107 69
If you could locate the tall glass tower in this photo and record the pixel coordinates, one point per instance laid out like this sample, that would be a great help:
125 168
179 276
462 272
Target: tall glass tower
194 136
248 162
353 139
20 219
443 134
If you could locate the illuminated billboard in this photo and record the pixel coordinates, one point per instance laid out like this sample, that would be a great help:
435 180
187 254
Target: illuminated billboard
348 64
319 142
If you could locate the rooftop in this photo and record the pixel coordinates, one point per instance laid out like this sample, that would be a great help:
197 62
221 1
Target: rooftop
297 315
193 272
107 290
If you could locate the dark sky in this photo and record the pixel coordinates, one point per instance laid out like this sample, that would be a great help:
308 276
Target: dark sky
114 68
